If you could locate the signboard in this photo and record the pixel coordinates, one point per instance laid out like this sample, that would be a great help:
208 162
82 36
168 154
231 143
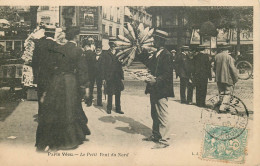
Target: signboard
88 18
222 37
195 37
246 37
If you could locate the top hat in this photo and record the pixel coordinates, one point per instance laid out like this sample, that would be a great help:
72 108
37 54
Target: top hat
160 34
99 44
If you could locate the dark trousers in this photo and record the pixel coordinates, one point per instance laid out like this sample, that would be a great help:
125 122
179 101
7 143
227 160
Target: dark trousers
185 84
99 89
117 101
201 92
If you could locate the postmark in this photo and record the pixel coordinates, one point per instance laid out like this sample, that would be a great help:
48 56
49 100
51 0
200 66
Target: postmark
226 131
229 124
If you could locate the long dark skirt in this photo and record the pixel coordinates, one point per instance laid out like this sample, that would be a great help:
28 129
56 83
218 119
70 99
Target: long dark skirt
62 125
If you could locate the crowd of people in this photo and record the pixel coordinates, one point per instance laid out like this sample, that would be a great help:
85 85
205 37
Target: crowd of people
66 74
194 67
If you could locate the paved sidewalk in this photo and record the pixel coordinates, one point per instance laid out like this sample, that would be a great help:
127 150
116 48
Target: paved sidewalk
114 133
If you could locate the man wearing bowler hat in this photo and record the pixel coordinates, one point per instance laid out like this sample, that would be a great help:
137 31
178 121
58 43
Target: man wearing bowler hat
184 71
160 88
202 73
43 63
113 75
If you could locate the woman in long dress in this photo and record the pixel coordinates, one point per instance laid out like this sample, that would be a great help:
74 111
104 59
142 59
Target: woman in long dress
64 124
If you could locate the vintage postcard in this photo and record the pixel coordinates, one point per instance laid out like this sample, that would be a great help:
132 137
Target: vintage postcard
154 82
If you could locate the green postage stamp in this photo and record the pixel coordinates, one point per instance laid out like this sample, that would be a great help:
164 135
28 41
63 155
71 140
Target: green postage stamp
227 150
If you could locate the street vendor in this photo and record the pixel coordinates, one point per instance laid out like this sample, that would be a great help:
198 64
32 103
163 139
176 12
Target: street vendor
160 88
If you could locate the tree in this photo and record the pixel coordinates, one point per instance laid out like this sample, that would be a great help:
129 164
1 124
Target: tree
9 13
239 18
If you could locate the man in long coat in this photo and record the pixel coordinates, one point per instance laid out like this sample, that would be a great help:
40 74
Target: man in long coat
113 75
160 88
184 70
98 73
43 64
90 61
202 73
226 72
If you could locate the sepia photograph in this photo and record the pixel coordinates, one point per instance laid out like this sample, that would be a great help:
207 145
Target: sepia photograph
132 85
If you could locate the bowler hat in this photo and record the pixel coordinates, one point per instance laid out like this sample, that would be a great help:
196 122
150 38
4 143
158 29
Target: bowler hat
185 48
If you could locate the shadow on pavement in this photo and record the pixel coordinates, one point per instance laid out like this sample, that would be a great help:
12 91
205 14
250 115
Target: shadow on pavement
135 127
8 102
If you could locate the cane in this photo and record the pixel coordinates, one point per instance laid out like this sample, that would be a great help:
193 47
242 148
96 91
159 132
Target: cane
105 90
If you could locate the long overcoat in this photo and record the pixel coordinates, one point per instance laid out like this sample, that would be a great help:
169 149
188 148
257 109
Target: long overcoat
113 73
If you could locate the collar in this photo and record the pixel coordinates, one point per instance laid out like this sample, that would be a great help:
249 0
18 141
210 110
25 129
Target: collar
73 42
88 48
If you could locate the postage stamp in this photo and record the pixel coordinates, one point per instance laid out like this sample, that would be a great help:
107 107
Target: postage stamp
232 150
226 133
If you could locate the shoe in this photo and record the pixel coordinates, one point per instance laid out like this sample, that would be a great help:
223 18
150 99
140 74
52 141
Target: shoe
160 145
43 149
151 138
108 111
190 103
100 105
120 112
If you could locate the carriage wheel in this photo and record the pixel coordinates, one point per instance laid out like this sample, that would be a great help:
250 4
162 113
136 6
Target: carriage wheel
245 70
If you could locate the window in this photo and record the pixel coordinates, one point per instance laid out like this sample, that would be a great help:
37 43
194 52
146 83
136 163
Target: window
118 15
111 13
110 31
117 31
9 45
103 29
104 12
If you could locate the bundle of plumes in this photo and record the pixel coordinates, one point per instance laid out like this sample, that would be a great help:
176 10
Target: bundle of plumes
135 39
140 75
29 44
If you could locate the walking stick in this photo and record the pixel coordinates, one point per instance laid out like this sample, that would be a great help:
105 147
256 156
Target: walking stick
105 90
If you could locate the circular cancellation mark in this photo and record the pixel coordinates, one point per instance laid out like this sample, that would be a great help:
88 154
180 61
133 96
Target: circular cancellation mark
228 124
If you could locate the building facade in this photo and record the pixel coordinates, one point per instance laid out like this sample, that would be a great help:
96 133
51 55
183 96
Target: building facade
138 14
173 21
98 22
48 15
